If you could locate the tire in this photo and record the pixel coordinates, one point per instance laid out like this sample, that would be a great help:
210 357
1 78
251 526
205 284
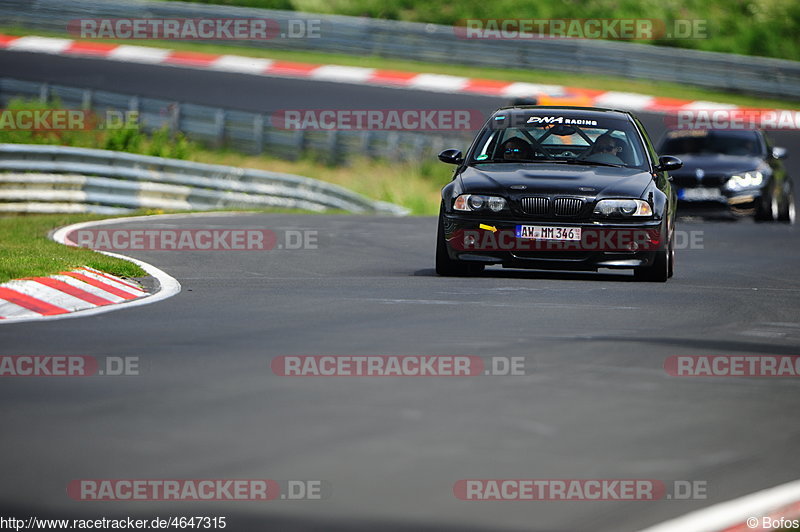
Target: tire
447 267
671 258
788 210
770 211
660 270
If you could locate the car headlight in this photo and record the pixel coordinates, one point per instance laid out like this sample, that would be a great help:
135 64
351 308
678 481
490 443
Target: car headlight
745 180
623 208
477 202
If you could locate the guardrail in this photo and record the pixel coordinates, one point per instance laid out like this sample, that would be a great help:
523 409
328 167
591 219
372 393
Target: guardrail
245 131
438 43
44 178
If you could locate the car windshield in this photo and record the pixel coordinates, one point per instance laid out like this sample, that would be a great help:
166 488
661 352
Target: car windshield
557 139
711 142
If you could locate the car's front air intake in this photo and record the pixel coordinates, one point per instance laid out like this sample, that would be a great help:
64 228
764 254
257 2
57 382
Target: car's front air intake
567 206
535 205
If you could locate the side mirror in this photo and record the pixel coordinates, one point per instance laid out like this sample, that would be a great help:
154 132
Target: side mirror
451 156
779 153
667 163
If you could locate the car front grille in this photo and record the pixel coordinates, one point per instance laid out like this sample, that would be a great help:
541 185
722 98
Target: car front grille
567 206
535 205
691 180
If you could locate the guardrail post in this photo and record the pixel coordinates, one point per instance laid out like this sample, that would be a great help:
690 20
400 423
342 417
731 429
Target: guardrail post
299 141
44 93
219 128
366 141
333 147
437 145
86 99
392 144
258 133
419 145
175 118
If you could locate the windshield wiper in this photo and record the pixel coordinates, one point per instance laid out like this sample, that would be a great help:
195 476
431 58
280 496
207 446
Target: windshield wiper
591 163
502 161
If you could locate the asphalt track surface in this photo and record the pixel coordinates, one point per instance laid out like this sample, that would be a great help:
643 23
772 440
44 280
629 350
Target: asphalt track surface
595 403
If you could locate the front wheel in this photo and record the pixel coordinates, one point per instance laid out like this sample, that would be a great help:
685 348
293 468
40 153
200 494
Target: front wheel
671 258
788 214
446 266
768 209
662 268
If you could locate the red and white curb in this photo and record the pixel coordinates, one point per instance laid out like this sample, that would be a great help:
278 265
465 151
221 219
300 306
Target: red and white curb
67 292
84 291
762 510
547 94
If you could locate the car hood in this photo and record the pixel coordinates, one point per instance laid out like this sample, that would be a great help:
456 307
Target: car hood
555 179
717 164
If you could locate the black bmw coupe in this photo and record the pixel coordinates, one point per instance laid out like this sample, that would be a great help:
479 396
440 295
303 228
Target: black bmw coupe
736 172
564 188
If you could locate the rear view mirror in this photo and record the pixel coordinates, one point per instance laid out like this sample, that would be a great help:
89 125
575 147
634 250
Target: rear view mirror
779 153
563 130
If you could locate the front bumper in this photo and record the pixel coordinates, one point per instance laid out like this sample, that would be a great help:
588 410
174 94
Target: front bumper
739 203
602 245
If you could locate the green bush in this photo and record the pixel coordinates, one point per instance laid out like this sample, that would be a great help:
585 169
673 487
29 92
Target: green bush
162 142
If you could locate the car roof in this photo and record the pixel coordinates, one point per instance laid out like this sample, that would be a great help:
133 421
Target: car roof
567 111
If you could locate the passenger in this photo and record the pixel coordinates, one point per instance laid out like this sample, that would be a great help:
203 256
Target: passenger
517 149
606 150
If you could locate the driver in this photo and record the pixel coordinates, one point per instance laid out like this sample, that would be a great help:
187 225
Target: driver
743 148
606 150
517 149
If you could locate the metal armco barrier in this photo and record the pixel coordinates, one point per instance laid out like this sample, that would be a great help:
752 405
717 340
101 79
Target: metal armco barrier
247 132
43 178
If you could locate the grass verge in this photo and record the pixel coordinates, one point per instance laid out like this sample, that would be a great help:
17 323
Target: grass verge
415 186
658 88
26 250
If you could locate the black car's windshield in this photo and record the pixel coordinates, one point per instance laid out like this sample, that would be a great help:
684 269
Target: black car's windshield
557 139
711 142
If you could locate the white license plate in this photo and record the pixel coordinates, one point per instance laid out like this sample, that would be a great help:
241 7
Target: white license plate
548 232
701 194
